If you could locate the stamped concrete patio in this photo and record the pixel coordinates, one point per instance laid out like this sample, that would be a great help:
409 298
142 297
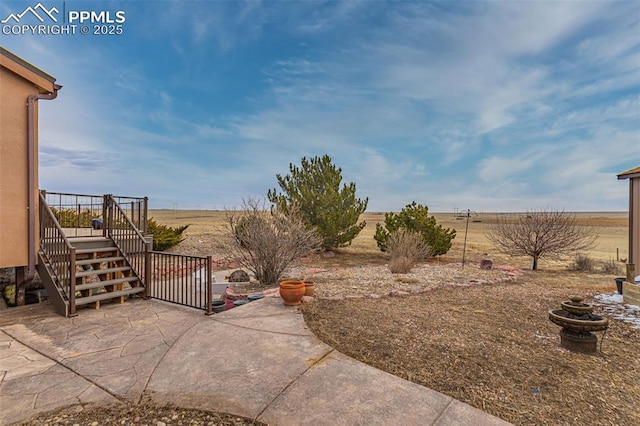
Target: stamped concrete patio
259 361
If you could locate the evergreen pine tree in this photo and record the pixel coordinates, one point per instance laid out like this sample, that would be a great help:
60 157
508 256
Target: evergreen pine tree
314 188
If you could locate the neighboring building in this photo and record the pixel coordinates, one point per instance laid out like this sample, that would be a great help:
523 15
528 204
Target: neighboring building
632 293
634 215
21 86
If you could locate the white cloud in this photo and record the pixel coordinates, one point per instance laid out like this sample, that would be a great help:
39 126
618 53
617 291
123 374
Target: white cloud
471 105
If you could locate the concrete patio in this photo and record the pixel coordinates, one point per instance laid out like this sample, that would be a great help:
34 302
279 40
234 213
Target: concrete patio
259 361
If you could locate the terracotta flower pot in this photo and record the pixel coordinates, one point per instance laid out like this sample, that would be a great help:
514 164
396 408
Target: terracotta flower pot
291 292
309 287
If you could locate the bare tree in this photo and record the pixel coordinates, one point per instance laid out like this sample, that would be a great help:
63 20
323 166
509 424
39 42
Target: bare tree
541 233
267 241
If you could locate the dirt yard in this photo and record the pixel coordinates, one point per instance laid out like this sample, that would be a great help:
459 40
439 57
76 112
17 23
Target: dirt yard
469 333
493 347
482 337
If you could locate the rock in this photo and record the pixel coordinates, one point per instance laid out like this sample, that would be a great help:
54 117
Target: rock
328 254
239 276
336 297
271 292
229 294
311 271
7 275
486 263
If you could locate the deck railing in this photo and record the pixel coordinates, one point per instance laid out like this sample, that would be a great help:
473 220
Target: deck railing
181 279
60 254
135 209
175 278
83 215
133 245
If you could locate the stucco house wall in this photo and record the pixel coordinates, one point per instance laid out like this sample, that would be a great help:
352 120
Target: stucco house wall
18 80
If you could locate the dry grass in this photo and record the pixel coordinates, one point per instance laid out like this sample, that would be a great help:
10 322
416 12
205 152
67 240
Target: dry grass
493 347
490 345
612 229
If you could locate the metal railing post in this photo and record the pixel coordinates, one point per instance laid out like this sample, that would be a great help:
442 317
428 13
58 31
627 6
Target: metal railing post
147 269
109 221
105 200
72 282
208 295
145 204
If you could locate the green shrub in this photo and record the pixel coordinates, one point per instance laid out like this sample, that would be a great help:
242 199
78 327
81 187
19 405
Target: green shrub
10 295
69 218
165 237
415 218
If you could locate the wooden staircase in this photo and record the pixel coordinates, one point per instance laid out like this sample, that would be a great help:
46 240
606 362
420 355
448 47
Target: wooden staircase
102 274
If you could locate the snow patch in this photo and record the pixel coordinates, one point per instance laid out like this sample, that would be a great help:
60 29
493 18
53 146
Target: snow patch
613 306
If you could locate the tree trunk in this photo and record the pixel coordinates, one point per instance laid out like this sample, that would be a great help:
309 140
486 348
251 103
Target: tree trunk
534 266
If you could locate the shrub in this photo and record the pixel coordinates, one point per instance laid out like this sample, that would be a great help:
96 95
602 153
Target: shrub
401 265
415 218
10 294
314 191
582 263
165 237
611 267
405 248
69 218
267 242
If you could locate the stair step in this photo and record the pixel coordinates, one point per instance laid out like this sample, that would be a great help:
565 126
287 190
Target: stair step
83 243
102 271
99 284
108 295
96 250
99 260
88 239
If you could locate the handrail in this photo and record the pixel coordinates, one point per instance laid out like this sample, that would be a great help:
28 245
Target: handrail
129 221
59 252
56 224
93 195
133 245
76 212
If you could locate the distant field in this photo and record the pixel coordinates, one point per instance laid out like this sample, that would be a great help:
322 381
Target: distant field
612 228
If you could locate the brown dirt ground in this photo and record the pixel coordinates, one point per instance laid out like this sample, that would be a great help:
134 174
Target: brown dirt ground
493 347
135 415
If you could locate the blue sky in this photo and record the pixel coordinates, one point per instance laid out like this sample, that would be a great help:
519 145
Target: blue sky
492 106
